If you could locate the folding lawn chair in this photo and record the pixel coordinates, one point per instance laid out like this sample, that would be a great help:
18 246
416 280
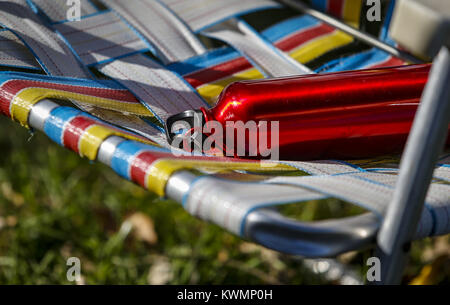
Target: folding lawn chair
129 65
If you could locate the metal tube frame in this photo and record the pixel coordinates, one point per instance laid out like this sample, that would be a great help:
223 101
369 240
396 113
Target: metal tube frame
425 142
269 228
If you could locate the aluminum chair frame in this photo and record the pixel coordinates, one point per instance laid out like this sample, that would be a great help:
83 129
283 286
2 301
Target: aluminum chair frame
425 142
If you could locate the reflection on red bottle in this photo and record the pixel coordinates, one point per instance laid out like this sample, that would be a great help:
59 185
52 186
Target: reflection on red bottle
344 115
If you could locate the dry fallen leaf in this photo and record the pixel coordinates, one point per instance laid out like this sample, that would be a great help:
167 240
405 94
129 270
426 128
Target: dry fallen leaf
249 248
222 256
8 221
143 228
441 246
433 273
266 254
11 221
160 272
8 192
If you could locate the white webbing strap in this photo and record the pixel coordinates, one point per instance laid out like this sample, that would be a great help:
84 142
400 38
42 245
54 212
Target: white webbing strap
14 53
171 38
325 167
52 53
438 201
59 9
332 167
227 203
442 172
374 191
199 14
353 188
101 37
161 90
270 60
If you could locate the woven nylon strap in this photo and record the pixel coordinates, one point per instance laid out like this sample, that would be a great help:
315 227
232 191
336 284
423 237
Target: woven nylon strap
101 37
171 38
303 38
14 53
162 91
58 10
57 58
270 60
108 41
199 14
52 53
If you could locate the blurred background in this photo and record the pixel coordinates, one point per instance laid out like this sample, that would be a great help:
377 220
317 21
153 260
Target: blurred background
55 205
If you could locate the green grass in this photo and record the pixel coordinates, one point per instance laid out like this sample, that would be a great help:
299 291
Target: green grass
54 205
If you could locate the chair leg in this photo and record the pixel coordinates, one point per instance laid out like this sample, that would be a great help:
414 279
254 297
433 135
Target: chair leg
426 141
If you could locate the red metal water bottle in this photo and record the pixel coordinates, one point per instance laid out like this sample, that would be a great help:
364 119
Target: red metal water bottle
343 115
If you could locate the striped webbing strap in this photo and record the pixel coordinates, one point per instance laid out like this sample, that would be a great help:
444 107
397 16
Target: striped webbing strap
270 60
55 56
